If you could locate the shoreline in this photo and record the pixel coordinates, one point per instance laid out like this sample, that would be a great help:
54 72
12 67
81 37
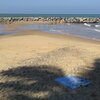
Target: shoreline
55 35
12 27
17 43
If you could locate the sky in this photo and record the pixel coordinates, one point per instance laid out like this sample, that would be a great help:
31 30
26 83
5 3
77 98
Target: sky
50 6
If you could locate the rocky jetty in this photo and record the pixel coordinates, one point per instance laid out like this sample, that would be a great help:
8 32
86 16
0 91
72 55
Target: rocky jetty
52 20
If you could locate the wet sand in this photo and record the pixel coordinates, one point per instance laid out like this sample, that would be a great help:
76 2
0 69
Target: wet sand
39 50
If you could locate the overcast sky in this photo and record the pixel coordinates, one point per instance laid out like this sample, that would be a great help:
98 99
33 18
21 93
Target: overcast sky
50 6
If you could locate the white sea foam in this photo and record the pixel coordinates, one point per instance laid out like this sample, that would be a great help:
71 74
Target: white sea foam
97 30
92 25
89 25
97 26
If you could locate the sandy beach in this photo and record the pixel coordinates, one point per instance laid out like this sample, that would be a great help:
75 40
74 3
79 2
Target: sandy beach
42 56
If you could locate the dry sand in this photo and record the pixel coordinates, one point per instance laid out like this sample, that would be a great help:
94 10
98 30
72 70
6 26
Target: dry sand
29 57
69 51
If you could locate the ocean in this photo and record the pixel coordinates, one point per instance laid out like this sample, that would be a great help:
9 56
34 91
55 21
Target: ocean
50 15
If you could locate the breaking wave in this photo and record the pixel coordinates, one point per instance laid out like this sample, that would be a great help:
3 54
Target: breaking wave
97 30
92 25
89 25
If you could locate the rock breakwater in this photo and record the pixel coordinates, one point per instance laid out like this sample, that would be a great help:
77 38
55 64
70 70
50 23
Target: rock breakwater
52 20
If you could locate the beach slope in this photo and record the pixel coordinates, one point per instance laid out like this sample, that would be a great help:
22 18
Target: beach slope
30 60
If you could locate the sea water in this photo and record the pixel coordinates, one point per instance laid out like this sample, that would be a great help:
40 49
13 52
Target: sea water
90 31
3 30
50 15
85 30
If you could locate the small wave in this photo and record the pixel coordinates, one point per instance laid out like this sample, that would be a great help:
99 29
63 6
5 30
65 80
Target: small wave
58 31
97 30
89 25
97 26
